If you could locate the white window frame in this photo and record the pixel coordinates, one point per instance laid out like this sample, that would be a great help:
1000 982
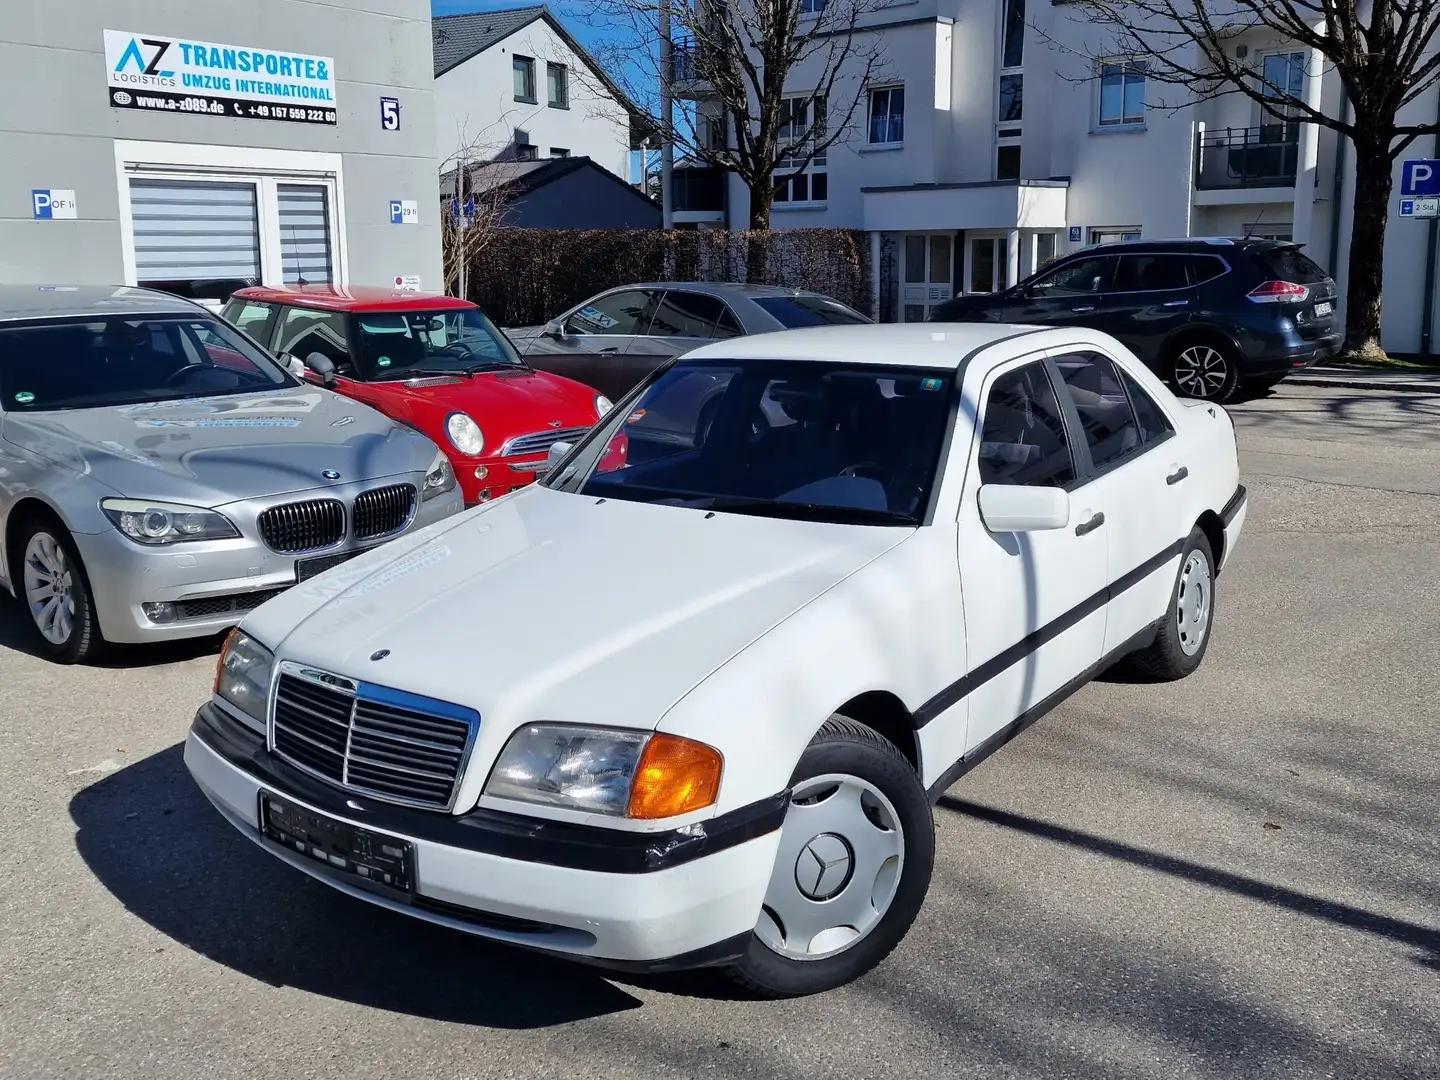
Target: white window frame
870 92
1274 230
1127 69
266 169
818 164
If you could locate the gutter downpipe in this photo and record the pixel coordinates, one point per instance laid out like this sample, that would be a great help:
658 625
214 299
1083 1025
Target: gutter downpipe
1432 228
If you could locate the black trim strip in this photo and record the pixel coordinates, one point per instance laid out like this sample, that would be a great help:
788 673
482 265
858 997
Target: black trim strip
1016 726
983 673
1233 506
493 832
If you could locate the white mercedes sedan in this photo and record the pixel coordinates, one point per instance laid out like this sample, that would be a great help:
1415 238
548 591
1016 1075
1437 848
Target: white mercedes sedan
690 700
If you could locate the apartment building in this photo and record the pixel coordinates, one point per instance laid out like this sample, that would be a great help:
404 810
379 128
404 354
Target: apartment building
993 136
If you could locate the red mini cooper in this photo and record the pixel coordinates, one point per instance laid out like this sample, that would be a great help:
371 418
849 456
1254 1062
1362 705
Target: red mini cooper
433 362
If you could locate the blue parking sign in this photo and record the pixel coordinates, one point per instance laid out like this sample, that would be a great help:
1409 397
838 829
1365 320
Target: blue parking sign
1420 177
1407 207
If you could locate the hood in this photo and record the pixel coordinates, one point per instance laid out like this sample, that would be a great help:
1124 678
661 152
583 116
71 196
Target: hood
503 403
551 606
211 451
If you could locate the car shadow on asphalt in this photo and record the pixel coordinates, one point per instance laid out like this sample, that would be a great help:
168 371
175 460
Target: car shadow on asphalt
153 840
16 633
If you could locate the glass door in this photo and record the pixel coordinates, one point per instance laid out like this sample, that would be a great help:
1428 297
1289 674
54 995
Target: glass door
927 273
988 263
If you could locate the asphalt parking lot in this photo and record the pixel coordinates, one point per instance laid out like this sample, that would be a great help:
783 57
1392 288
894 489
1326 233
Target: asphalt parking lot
1237 875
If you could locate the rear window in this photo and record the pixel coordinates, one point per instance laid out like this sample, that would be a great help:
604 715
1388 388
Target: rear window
794 311
1290 264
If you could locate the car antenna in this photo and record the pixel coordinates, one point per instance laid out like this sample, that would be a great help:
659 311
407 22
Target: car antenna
1250 229
295 245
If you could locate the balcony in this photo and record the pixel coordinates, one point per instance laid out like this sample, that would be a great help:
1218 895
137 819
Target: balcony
685 78
698 190
1233 159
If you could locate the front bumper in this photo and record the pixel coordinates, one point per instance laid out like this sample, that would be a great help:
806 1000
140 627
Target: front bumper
217 582
633 901
484 479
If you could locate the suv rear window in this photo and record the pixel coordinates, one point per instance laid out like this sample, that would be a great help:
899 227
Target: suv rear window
1290 264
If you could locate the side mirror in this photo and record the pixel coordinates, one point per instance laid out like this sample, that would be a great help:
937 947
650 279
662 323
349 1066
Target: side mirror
554 329
322 366
1011 508
557 453
294 365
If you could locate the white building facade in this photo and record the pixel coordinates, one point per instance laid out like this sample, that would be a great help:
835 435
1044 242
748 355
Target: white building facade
993 137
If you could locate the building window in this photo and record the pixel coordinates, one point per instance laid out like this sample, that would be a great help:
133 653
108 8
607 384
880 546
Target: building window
1044 250
559 152
1122 94
1114 235
1012 98
557 86
802 124
887 116
527 153
811 7
1007 161
524 70
1277 231
305 233
1012 41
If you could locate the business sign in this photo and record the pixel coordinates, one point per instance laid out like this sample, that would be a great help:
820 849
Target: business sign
404 212
1420 177
50 204
166 74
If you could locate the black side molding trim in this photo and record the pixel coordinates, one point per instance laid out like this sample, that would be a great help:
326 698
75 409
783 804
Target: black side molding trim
1232 507
983 673
1030 716
494 832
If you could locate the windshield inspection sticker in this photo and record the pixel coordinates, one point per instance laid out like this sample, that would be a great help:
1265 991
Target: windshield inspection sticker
931 384
384 361
24 397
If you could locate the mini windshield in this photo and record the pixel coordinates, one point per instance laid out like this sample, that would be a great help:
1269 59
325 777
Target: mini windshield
823 442
126 360
402 344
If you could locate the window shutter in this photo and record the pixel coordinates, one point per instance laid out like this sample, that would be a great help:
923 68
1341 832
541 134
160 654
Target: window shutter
305 233
194 230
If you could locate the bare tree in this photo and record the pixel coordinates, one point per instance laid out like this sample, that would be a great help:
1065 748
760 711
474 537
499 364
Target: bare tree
1381 50
476 184
762 88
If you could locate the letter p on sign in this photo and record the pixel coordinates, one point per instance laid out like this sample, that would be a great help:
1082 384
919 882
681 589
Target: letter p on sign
48 204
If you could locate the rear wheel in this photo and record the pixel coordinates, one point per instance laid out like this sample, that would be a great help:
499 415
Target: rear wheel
1205 369
56 593
1184 634
853 866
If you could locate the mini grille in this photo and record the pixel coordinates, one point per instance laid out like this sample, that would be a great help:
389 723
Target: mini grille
539 443
221 605
303 526
372 740
384 510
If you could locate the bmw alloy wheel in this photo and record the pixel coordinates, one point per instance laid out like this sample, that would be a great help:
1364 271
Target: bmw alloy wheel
49 588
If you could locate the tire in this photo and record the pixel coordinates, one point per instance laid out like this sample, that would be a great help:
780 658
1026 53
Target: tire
859 823
1205 369
65 632
1180 644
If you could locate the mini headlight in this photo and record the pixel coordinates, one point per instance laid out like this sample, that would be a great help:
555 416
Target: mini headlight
633 774
242 676
602 405
166 523
439 478
464 434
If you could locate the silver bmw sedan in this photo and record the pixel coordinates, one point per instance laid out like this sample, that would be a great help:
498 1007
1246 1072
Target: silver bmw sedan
161 475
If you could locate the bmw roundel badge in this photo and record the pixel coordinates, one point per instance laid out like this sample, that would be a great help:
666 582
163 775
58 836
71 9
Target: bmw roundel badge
330 474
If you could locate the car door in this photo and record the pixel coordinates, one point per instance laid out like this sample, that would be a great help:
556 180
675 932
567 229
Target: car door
684 319
301 331
1066 295
1136 480
1152 296
592 341
1034 611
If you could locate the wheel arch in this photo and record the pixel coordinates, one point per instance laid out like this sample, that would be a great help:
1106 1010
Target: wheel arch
886 715
26 509
1210 524
1194 333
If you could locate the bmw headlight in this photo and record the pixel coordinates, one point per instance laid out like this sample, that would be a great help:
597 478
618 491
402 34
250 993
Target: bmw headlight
166 523
602 405
242 677
635 774
439 478
464 434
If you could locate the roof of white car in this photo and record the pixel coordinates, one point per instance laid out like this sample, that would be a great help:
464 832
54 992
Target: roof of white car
933 345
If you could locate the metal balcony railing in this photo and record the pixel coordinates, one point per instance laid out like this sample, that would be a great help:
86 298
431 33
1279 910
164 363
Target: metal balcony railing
1247 157
698 189
683 67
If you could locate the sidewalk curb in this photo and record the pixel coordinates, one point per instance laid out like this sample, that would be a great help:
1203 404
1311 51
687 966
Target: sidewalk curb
1359 382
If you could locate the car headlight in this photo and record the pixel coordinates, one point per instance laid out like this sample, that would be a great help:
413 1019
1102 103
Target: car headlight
439 478
166 523
602 405
464 434
242 676
635 774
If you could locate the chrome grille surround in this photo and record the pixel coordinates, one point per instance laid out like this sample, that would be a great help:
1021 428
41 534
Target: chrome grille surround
300 527
382 511
391 745
539 442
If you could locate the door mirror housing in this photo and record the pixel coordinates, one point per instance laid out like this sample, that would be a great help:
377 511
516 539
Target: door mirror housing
321 365
294 365
555 328
1012 508
556 454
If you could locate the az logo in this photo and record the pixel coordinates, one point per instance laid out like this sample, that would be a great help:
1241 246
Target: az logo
132 54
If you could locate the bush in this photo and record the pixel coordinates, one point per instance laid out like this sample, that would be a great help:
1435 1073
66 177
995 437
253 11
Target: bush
527 276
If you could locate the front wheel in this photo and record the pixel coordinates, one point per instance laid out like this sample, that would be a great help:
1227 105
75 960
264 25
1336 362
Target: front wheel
1207 370
56 593
853 866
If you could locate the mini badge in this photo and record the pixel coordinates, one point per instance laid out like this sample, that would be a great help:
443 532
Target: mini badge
24 397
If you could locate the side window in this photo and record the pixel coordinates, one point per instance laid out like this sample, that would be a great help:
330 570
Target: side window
1022 438
1153 425
618 313
1083 276
255 319
217 350
1094 386
1205 268
727 326
1151 273
303 331
685 314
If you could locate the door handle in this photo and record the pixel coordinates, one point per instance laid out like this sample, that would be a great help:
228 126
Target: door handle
1096 520
1178 475
1082 310
611 351
1176 303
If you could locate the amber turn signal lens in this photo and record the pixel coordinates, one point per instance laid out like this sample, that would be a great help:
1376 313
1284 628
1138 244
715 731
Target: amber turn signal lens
224 652
675 776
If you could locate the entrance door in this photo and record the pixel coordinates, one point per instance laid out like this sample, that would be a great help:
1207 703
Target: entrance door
928 274
987 265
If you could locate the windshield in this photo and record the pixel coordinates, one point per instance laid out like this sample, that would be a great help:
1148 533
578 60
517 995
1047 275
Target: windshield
824 442
402 344
119 360
795 311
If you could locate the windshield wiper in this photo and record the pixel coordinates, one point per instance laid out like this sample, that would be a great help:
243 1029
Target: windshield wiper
490 365
804 511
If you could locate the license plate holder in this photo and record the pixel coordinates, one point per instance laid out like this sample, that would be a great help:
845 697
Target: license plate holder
1324 307
305 569
370 859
